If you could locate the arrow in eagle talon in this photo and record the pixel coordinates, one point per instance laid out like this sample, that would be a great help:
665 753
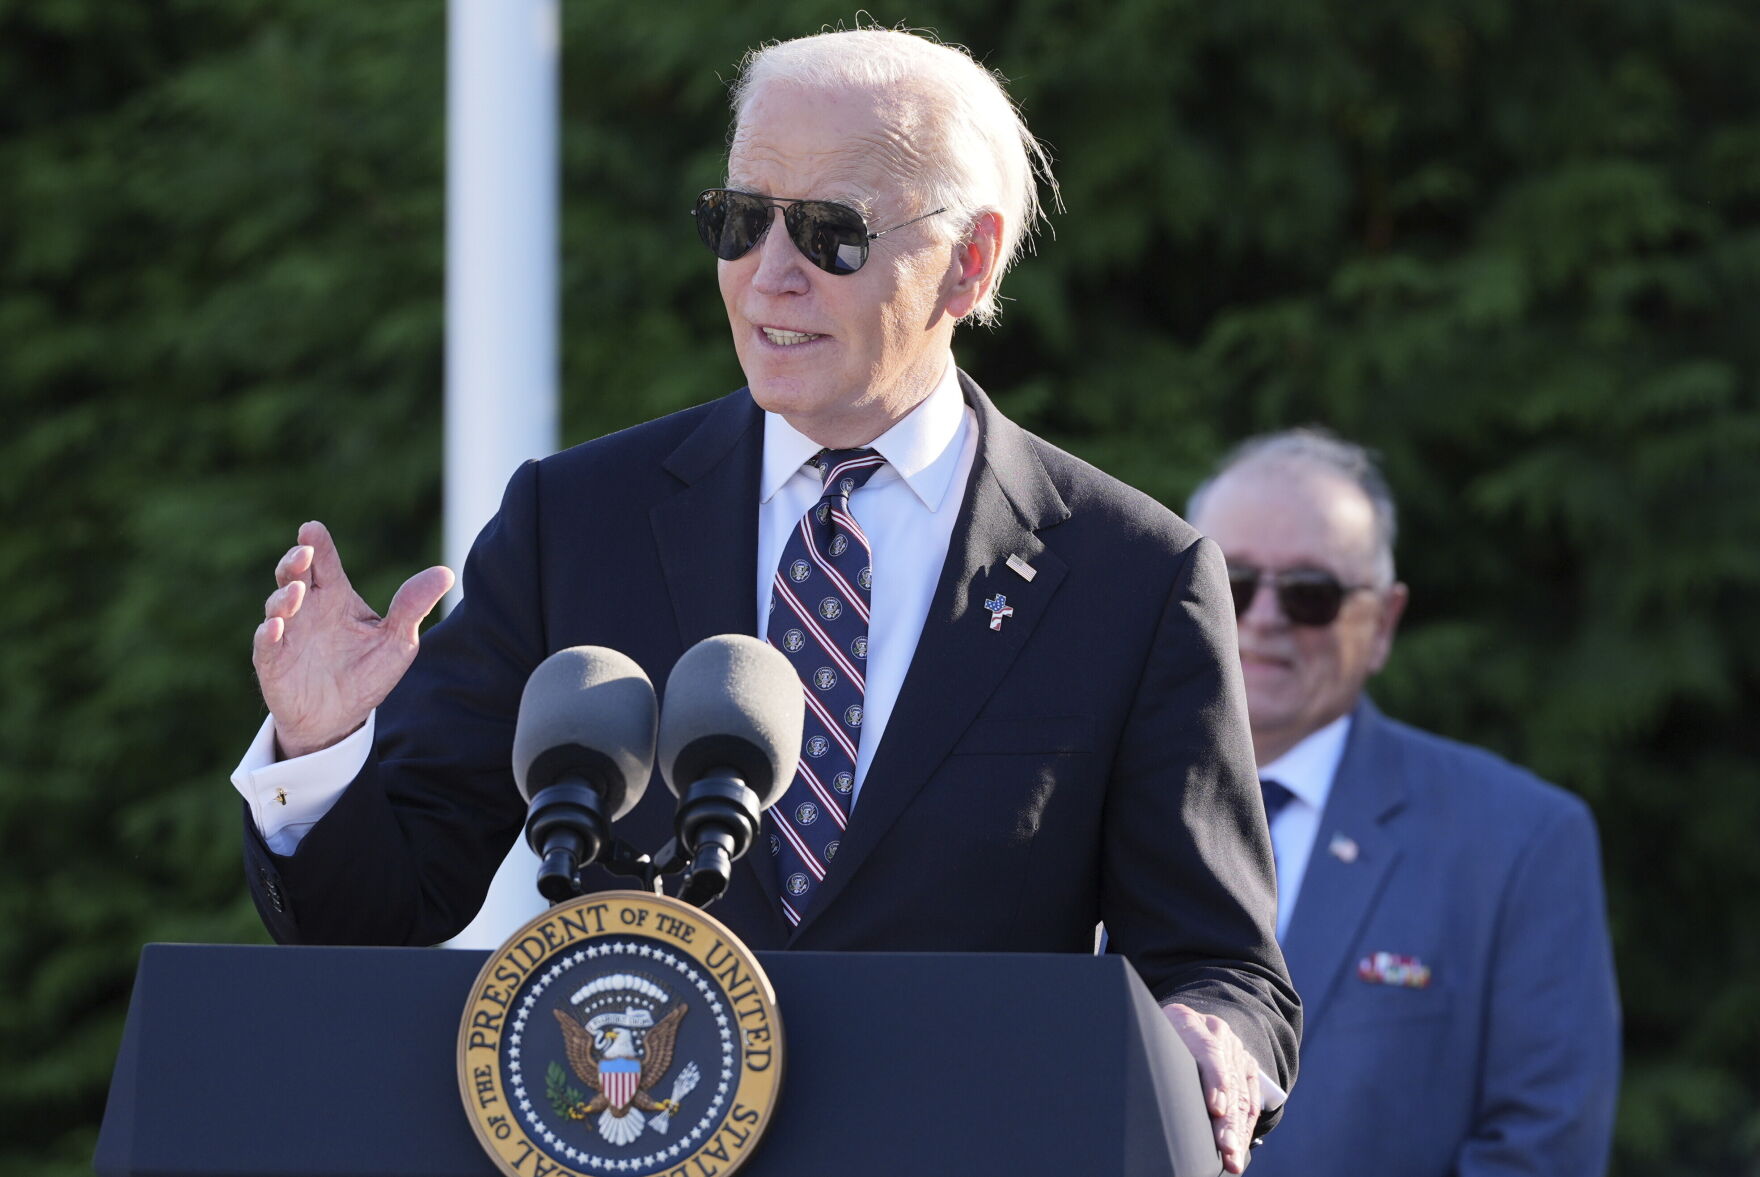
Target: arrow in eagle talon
681 1087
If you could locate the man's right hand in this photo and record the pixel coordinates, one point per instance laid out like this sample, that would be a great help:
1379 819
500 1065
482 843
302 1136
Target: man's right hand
324 659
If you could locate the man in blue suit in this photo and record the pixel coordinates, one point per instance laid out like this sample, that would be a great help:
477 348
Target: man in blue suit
1440 909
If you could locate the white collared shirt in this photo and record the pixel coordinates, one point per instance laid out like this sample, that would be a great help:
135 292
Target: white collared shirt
1306 770
907 509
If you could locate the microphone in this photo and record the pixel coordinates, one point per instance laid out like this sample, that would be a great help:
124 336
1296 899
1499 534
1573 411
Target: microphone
730 737
583 749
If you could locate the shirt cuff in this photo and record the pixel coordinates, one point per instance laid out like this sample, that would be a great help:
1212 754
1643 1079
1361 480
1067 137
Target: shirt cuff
287 797
1271 1096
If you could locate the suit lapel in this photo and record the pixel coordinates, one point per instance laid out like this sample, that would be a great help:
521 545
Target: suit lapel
1339 890
707 532
707 536
959 659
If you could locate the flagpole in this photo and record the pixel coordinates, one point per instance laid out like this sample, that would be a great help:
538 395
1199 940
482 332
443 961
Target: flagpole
502 69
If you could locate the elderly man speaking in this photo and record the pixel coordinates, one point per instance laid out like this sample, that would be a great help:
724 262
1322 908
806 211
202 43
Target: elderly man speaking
1028 716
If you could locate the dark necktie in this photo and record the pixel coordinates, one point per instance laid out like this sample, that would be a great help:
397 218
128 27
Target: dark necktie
1277 797
819 618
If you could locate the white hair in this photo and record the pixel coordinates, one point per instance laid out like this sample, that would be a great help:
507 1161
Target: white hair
1317 448
980 157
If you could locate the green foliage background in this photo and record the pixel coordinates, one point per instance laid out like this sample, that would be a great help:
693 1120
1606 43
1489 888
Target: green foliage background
1514 246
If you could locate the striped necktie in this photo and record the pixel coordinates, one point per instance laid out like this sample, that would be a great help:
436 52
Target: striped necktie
819 619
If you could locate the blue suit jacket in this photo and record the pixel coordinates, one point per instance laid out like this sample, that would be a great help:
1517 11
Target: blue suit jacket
1508 1061
1089 759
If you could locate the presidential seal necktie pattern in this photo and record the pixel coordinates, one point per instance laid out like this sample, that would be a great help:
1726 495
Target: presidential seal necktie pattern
819 618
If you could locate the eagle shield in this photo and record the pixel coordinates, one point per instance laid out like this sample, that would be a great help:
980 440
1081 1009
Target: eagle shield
619 1079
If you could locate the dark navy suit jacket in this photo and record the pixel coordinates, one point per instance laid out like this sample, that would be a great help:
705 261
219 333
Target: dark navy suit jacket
1507 1062
1088 760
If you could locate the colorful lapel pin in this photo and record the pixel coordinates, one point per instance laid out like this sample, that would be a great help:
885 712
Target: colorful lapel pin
999 608
1387 968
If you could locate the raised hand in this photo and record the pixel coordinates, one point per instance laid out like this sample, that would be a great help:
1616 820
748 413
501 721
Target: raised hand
324 659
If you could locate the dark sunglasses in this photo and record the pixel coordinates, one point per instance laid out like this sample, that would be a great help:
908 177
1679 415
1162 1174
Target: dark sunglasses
1307 596
832 236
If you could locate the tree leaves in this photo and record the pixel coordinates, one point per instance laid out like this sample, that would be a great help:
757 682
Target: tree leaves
1514 247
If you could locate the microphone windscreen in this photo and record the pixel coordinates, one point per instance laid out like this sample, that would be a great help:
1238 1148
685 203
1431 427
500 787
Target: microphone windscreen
732 702
590 712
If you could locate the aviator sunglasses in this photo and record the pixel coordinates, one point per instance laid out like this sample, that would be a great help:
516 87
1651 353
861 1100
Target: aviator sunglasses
832 236
1307 596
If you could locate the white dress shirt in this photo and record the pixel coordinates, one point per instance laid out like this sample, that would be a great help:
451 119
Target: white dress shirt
1306 770
907 509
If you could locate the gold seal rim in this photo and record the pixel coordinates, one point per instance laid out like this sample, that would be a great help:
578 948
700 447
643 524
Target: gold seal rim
768 1086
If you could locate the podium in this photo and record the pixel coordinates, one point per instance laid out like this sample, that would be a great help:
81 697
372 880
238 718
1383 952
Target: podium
341 1062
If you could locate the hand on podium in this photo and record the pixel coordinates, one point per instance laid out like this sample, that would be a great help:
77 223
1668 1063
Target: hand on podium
324 658
1230 1077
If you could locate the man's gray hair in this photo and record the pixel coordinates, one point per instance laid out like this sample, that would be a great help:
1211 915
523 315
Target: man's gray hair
979 155
1319 448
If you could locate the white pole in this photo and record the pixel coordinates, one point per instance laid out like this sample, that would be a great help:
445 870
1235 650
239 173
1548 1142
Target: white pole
501 300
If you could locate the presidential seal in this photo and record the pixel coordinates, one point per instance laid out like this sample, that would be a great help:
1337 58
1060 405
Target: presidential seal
623 1034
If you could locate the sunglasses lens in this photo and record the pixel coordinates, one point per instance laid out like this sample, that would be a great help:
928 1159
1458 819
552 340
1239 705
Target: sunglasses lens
1243 583
832 236
1306 596
1309 598
731 223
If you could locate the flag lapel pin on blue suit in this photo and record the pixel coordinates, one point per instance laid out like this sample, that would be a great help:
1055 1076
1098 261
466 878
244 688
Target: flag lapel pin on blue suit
1342 848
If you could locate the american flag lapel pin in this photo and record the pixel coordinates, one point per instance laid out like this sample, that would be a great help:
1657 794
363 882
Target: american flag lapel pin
999 609
1021 568
1342 848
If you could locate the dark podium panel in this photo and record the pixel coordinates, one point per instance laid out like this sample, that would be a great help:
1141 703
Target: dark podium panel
336 1062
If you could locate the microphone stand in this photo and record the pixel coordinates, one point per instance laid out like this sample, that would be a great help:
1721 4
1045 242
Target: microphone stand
619 858
717 821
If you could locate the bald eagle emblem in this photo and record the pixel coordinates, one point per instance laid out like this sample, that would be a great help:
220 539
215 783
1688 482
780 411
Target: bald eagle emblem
617 1047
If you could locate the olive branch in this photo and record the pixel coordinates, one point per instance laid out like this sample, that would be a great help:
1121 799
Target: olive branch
565 1099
